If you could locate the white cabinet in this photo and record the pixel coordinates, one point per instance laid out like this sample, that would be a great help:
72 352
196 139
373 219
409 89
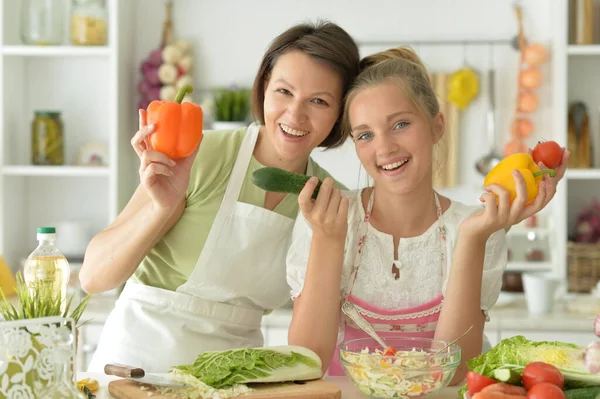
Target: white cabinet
93 88
277 336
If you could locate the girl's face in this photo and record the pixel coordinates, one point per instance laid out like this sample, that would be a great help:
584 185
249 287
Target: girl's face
302 103
393 139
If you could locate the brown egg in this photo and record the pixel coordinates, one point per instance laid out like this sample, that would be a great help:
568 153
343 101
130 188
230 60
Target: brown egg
530 78
522 128
528 102
514 146
535 54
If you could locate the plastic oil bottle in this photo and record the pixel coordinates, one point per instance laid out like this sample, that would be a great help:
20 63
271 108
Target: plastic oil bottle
47 267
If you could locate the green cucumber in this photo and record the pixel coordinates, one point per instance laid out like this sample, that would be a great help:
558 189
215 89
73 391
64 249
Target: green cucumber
508 376
583 393
281 181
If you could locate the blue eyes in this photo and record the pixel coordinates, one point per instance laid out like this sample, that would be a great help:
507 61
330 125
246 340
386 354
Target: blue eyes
368 135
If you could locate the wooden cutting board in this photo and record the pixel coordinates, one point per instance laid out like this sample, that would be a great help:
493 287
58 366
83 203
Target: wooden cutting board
316 389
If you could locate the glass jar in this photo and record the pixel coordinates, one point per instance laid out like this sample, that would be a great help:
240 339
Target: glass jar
47 141
42 22
89 23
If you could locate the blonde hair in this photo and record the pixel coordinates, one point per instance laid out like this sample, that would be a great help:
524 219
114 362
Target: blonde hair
402 66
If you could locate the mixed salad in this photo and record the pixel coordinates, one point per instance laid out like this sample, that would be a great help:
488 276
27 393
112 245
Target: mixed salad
408 374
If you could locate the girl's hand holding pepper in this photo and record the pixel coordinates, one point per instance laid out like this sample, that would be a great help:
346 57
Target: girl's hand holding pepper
499 213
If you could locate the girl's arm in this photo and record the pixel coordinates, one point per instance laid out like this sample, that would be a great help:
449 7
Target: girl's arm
462 303
315 318
316 314
480 256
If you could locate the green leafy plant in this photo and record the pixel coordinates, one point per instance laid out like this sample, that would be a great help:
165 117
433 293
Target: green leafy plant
38 301
250 365
231 104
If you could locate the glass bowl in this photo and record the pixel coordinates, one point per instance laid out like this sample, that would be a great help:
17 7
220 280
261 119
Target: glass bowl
414 372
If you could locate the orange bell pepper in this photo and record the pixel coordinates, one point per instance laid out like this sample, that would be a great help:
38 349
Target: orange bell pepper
501 175
177 126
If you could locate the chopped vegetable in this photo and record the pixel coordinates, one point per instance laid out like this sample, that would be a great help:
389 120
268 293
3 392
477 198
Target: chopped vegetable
476 382
410 373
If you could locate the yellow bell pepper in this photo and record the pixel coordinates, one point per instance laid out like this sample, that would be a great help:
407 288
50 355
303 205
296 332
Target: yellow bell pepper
501 175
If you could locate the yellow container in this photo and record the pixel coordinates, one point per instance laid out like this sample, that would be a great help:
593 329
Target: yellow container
7 280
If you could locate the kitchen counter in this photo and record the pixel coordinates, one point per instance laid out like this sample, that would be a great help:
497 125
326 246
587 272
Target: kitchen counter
575 313
348 389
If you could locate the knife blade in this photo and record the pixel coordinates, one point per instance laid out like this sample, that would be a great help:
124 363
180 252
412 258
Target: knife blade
139 375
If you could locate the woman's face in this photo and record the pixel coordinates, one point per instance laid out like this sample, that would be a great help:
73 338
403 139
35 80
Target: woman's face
302 103
393 139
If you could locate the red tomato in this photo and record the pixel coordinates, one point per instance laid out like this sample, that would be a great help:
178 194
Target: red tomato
548 152
545 390
538 372
476 382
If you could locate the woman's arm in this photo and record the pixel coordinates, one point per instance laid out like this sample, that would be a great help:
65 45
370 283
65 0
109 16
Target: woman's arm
114 254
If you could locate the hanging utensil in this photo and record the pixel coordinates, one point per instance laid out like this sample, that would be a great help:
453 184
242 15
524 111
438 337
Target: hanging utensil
350 310
492 158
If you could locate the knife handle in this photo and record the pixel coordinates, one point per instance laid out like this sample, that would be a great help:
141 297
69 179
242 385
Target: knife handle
121 370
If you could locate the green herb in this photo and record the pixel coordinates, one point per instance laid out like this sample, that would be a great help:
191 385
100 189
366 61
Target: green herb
38 301
231 104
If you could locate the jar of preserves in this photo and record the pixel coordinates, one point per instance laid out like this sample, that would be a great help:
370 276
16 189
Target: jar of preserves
47 144
89 23
42 22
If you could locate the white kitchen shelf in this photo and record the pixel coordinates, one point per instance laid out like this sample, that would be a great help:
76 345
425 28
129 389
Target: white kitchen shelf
582 174
518 230
34 170
56 51
593 49
530 266
92 88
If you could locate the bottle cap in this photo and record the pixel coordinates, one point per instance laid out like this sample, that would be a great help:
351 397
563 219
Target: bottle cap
46 233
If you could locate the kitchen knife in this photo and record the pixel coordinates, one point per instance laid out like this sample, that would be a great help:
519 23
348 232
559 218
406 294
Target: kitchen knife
139 375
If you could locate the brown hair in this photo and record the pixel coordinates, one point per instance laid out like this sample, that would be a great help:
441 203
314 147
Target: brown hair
324 41
401 65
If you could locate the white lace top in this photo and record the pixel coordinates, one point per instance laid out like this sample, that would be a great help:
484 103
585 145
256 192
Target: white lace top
420 278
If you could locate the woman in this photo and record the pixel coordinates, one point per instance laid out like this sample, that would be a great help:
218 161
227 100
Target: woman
202 247
414 263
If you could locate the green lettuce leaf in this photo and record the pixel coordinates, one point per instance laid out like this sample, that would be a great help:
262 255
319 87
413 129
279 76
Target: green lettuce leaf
249 365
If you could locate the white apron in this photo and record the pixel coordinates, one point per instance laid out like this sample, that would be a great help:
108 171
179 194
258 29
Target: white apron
239 274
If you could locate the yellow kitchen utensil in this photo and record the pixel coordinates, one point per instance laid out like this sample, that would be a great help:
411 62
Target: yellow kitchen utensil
463 86
7 280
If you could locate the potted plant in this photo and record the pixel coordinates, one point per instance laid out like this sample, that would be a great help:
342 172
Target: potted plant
27 332
231 108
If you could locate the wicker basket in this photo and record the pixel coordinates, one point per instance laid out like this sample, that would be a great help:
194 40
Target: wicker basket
583 262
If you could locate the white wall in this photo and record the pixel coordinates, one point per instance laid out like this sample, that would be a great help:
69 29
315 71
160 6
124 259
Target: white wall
230 36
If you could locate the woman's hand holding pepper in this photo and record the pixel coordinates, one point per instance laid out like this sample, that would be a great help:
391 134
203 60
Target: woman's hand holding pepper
165 180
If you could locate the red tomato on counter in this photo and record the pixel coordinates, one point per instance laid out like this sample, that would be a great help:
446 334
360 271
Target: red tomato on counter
540 372
476 382
545 390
